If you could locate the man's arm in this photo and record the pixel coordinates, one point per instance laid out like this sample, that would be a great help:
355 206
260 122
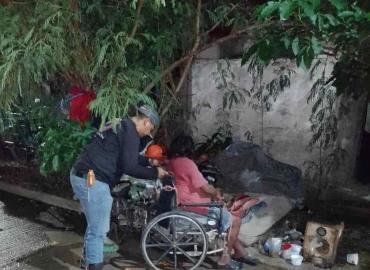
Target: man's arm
129 143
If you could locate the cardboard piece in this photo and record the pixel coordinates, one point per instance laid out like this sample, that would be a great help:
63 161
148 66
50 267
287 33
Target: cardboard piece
321 242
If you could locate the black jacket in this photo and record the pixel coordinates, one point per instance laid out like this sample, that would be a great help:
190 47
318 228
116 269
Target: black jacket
113 153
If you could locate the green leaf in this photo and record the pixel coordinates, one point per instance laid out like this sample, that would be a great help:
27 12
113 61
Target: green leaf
315 3
295 46
307 8
29 35
339 4
286 42
331 19
345 14
264 52
285 10
269 9
301 63
247 55
316 46
308 57
56 163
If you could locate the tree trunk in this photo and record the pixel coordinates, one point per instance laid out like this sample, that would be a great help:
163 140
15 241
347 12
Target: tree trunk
351 116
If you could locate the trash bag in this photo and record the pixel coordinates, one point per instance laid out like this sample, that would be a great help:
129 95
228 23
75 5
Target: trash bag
245 167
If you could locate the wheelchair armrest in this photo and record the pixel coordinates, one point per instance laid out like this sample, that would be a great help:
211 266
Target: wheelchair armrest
210 204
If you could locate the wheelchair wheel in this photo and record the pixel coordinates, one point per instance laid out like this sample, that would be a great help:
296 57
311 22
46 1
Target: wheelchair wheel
174 240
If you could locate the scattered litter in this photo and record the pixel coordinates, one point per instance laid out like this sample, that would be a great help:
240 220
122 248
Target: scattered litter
352 258
296 259
296 249
273 246
292 235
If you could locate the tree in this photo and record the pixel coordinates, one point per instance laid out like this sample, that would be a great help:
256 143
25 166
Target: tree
128 51
132 51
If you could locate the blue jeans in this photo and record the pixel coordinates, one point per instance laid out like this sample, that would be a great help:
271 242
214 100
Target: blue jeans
215 212
96 203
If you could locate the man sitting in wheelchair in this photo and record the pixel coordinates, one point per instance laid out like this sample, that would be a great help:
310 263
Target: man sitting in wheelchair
193 188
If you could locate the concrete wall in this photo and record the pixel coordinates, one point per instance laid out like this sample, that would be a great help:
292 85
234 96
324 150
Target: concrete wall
284 131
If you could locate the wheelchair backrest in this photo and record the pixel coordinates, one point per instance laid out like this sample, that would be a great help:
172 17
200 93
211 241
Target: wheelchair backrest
167 198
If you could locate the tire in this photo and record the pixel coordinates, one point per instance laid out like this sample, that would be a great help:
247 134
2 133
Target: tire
176 236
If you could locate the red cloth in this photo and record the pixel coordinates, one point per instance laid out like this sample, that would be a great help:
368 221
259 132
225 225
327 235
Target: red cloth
238 209
79 105
241 204
189 182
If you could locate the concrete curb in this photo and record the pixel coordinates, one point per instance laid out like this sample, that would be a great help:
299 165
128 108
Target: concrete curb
41 197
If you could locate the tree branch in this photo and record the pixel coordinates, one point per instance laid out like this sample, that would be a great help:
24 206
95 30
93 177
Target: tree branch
190 59
192 53
218 23
136 25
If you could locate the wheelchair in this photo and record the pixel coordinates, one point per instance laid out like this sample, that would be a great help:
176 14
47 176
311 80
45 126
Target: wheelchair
179 239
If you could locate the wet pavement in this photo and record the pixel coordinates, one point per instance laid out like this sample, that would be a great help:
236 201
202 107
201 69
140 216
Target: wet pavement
27 244
19 237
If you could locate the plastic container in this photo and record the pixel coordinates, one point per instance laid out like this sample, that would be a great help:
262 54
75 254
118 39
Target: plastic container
275 248
286 254
295 249
296 259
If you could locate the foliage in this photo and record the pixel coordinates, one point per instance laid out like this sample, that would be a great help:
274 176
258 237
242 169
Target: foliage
320 171
263 93
60 144
307 28
323 97
25 120
303 31
135 51
120 49
87 44
225 80
215 143
31 54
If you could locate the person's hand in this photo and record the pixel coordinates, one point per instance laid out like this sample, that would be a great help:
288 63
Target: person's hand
218 196
161 172
154 162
